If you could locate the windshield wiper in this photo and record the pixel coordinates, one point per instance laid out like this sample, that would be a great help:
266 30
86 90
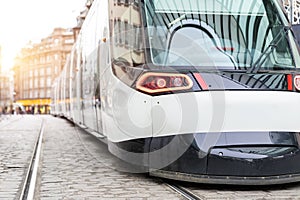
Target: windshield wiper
273 44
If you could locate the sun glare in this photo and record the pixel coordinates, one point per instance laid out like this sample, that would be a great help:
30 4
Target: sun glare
32 20
7 60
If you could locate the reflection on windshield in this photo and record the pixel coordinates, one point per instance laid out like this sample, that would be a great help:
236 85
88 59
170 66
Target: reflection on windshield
270 48
198 49
210 33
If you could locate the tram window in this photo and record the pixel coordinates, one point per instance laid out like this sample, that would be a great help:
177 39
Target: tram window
239 31
116 27
126 33
131 35
127 52
137 41
122 32
119 29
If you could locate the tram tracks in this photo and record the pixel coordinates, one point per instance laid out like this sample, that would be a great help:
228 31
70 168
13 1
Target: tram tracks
183 192
30 181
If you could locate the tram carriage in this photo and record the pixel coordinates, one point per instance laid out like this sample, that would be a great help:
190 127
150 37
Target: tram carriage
195 90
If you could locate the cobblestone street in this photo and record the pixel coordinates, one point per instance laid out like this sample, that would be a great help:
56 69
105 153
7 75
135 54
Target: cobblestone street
18 135
75 165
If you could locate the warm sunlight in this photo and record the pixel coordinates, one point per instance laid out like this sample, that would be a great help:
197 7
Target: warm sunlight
23 21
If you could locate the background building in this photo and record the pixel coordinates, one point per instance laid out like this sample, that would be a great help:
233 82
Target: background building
37 65
5 93
6 89
35 68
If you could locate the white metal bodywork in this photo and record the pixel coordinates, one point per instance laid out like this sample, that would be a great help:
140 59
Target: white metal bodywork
133 115
128 114
227 111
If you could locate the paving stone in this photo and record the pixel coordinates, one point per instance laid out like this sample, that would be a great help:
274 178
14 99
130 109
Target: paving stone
77 159
76 166
18 136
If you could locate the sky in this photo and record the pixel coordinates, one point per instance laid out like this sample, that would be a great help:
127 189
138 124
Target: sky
22 21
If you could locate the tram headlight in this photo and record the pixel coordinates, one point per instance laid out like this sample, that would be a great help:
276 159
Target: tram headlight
154 82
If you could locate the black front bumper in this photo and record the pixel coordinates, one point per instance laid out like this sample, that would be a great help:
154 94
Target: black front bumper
234 158
253 161
244 158
229 180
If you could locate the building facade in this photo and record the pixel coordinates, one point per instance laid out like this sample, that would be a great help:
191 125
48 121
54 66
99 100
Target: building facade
0 59
5 89
37 65
6 98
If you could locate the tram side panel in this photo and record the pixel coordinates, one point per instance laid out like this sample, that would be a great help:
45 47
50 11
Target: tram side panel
59 97
89 69
54 98
63 92
127 120
77 81
67 88
73 75
101 52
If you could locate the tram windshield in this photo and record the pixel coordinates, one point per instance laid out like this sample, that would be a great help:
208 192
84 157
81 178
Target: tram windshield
231 34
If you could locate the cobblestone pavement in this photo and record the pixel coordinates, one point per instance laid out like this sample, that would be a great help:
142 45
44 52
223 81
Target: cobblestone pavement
76 166
18 135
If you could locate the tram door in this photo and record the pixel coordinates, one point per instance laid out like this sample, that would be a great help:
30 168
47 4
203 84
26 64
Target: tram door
102 60
89 71
78 93
75 92
102 64
97 92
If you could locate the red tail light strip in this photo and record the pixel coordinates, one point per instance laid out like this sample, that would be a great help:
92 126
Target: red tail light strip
201 81
289 78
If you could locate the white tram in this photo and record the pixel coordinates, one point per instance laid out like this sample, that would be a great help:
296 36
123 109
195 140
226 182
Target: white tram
196 90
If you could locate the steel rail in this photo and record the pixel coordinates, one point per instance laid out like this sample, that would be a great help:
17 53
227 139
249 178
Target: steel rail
29 183
183 192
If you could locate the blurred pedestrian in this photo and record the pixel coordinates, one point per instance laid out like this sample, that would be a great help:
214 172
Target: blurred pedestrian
32 110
